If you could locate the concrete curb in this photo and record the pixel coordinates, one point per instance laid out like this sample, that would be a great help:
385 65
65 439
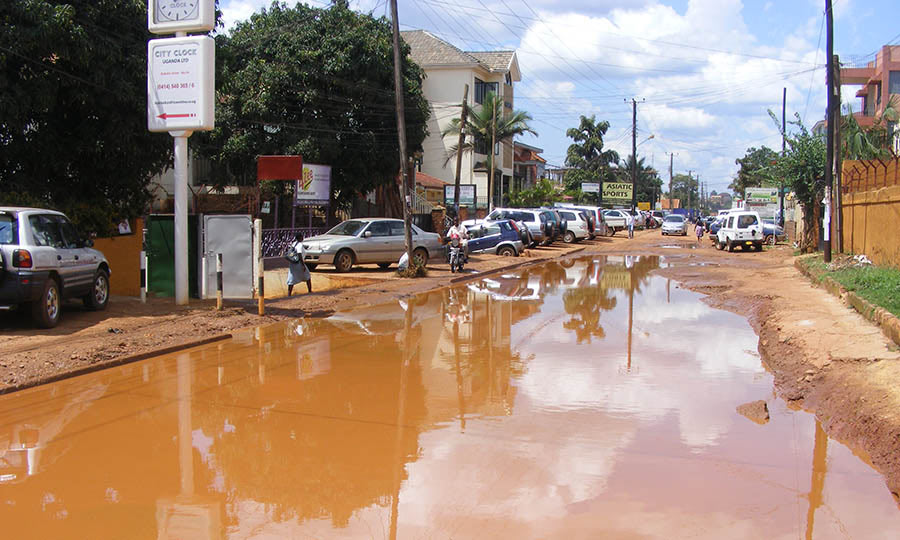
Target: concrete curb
883 318
113 363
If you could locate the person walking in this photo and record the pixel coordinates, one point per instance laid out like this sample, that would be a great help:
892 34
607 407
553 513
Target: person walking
698 230
631 226
298 272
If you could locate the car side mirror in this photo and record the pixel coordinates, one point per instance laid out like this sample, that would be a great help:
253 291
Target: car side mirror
367 234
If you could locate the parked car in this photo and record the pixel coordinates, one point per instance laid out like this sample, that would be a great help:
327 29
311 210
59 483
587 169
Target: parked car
559 224
772 231
536 221
674 224
369 240
658 216
616 220
497 237
740 228
596 213
44 261
578 226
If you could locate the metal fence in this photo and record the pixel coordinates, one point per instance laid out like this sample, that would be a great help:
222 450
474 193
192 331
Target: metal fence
275 242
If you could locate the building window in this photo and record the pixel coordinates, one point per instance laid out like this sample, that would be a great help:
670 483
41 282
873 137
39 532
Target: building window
482 146
483 88
894 87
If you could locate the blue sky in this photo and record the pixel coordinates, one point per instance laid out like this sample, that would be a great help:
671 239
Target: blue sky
704 71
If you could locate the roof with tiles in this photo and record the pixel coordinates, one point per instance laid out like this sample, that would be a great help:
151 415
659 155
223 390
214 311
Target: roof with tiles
426 49
495 60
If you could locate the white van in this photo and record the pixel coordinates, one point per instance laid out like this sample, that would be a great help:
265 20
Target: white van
740 228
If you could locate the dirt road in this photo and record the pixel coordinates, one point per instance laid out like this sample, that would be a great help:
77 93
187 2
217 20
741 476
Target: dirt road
825 357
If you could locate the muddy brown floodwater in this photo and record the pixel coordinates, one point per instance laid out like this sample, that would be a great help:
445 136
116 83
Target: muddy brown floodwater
580 399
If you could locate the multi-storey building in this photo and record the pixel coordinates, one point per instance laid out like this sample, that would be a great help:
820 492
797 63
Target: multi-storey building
448 69
880 80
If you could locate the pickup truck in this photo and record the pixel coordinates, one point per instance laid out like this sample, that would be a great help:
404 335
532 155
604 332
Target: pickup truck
616 220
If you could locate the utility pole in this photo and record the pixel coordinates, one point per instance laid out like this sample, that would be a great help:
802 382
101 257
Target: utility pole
838 160
633 155
459 148
783 149
829 116
401 134
671 159
690 190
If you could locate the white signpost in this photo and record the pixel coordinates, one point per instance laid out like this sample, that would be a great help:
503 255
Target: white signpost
590 187
180 91
181 84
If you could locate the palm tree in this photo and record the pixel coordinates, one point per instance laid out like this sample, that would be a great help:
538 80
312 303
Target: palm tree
488 126
872 143
586 154
648 181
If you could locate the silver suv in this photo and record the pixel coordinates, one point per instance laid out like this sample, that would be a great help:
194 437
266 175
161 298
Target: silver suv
43 261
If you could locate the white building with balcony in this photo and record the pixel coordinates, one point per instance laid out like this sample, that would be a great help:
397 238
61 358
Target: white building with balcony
448 69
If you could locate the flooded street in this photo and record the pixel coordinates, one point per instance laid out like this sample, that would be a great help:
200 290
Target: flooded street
579 399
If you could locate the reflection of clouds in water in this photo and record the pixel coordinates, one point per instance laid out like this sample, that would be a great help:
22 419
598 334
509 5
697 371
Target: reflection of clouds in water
684 367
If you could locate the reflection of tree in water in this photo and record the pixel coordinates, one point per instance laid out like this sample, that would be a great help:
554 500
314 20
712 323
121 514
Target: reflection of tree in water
585 304
325 446
586 301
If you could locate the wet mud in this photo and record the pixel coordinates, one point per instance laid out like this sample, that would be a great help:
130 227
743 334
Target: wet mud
588 397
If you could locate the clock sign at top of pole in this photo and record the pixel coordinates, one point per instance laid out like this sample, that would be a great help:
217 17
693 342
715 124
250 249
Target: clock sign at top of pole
170 16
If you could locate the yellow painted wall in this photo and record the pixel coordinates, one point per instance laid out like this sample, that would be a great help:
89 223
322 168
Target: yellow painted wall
871 220
123 254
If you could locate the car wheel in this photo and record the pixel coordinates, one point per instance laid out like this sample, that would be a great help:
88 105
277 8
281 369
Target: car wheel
47 309
420 257
97 299
770 239
569 237
384 265
343 261
506 251
729 245
612 232
311 267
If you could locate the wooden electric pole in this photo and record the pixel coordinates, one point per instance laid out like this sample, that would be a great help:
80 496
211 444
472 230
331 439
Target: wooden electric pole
838 161
671 158
783 147
829 116
401 134
633 155
459 148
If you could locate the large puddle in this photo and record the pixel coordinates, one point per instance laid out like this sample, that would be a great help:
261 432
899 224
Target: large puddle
582 399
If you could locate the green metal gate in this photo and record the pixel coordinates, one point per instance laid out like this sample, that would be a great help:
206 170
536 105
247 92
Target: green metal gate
161 255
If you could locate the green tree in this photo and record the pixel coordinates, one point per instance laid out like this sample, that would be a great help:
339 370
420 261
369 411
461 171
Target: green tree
803 168
484 124
685 188
756 169
649 184
542 194
587 156
872 143
73 94
315 82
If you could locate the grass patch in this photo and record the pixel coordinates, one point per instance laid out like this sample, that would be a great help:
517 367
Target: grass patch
879 285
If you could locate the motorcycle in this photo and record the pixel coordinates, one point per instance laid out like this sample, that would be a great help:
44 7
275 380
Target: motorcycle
456 255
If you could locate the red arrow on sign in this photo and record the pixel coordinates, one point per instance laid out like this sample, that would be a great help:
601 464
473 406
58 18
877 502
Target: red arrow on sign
165 115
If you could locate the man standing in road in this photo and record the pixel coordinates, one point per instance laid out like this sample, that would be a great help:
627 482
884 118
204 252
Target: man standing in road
631 227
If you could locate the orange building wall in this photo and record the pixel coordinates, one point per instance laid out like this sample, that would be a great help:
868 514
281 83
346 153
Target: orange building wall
871 210
123 254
